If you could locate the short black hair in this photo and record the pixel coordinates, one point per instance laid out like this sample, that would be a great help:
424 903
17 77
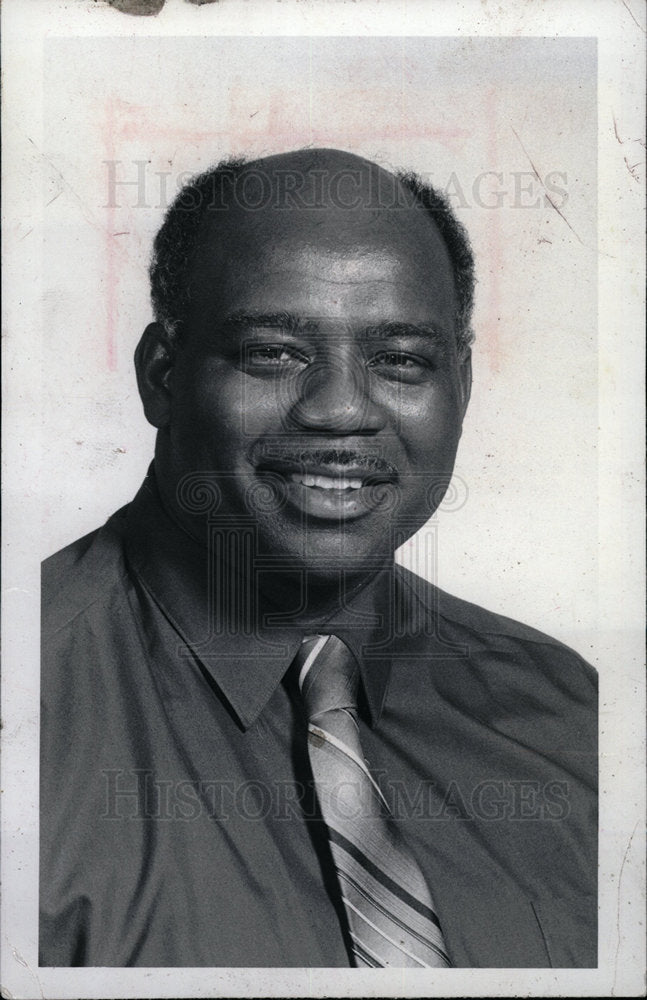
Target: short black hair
177 242
459 248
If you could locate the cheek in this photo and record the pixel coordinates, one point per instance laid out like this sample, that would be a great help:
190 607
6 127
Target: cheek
220 415
211 405
429 424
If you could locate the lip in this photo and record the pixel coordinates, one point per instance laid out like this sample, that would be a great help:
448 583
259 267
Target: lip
332 470
312 489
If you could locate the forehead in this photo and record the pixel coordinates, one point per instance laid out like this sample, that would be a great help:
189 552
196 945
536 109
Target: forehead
370 262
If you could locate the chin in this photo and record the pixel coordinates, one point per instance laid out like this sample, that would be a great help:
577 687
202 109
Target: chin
323 554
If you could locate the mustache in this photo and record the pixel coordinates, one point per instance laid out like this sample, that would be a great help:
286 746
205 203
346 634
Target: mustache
264 455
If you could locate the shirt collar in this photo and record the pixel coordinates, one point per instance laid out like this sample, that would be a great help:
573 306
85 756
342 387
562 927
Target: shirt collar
245 658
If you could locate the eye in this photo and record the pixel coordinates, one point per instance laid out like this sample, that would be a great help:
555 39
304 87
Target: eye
274 356
398 365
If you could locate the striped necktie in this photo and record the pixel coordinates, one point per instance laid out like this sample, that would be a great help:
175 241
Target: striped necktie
391 918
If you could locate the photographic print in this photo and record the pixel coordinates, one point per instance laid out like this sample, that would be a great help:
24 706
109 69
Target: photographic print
323 347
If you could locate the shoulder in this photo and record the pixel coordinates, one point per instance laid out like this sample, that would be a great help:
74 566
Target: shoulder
494 632
81 574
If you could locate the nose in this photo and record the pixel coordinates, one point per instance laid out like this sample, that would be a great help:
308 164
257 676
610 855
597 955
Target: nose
334 397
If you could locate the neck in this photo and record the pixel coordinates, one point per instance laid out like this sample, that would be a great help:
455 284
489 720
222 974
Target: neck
311 597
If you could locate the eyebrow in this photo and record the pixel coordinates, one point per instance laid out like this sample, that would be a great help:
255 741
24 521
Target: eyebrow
385 331
292 323
270 321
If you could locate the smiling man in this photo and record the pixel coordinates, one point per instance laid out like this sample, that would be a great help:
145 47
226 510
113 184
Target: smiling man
263 743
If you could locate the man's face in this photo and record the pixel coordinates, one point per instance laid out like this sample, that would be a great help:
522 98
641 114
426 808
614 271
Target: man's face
318 380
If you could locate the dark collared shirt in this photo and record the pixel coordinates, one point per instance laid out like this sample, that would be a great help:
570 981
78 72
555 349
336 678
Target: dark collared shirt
178 822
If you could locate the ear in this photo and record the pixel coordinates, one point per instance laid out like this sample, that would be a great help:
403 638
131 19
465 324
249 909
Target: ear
465 379
154 360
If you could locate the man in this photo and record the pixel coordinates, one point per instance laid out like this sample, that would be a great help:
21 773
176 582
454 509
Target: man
263 743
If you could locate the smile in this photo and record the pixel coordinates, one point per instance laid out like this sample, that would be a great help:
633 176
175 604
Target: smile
326 482
333 493
330 483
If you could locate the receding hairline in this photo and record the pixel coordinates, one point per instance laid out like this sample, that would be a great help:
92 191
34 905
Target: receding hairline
179 240
383 198
324 156
315 163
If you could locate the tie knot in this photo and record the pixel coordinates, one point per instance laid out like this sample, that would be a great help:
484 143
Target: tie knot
328 675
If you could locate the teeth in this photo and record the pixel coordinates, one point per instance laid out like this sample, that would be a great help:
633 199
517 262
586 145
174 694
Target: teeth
326 482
